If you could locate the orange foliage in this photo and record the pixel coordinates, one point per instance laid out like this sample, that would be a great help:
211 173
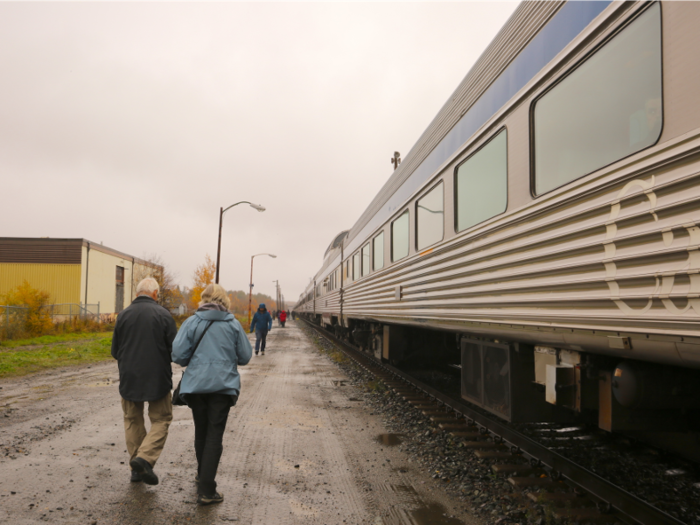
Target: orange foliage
239 302
37 320
203 275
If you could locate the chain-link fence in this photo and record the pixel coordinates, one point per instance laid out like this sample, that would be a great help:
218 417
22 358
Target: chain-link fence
68 311
14 319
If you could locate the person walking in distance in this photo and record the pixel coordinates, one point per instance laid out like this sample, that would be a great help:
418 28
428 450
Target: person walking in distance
282 317
261 324
212 345
141 344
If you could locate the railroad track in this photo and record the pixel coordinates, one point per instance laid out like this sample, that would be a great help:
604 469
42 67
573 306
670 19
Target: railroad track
574 492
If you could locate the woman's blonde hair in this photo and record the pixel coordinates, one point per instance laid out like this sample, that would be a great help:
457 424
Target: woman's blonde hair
215 293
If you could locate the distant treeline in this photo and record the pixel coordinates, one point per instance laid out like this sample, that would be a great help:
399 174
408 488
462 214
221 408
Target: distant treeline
239 301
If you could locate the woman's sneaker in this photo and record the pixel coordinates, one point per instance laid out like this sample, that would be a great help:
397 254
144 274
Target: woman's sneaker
208 500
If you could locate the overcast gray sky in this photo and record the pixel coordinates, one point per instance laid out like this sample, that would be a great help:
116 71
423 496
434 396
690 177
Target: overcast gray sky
132 123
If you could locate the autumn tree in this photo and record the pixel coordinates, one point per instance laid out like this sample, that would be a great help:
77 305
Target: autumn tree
203 276
239 302
37 319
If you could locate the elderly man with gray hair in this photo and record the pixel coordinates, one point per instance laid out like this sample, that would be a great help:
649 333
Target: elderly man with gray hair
141 344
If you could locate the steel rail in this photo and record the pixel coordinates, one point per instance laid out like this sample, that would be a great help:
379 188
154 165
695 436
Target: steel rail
616 497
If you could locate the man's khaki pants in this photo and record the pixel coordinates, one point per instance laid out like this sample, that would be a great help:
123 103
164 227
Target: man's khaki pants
139 443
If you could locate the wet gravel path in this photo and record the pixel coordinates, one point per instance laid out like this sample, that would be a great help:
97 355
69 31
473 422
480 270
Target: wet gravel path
666 480
302 446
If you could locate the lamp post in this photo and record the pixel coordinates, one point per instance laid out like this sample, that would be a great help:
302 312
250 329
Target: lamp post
277 295
221 219
250 292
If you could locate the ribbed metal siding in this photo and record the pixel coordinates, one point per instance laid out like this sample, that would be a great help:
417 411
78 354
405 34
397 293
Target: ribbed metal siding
620 253
61 281
58 251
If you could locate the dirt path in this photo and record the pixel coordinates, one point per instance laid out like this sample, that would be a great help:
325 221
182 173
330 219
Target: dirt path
299 449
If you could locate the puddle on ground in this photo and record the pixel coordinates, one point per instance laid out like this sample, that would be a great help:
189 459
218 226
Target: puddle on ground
432 514
104 382
389 440
426 514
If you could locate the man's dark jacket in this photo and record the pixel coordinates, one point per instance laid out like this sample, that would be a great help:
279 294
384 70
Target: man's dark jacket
142 343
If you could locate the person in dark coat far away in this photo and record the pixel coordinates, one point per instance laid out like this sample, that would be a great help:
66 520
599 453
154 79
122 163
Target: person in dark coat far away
283 317
211 384
141 344
262 323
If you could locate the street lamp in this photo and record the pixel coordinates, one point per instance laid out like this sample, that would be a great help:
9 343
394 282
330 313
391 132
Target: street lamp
221 218
277 294
250 292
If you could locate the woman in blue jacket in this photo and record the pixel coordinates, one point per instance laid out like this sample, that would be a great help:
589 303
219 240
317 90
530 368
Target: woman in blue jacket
211 384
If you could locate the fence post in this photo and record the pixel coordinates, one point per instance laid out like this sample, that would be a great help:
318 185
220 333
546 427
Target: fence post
98 311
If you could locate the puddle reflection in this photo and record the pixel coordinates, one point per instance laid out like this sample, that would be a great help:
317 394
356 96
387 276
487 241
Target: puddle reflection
389 440
428 514
433 514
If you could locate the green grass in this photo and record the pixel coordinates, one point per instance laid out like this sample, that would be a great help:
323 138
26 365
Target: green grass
22 362
53 339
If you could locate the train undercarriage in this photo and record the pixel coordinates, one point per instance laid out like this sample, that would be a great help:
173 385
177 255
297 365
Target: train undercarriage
523 383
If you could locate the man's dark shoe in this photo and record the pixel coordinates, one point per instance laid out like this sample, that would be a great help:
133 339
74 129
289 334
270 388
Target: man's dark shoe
135 477
208 500
143 467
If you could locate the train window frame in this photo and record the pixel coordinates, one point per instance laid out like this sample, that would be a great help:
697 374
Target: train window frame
575 67
455 180
408 247
356 265
375 251
366 268
435 186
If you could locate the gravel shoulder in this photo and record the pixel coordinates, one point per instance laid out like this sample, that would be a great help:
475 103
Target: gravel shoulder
301 446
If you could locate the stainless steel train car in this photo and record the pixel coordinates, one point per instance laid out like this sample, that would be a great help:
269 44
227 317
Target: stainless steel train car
543 234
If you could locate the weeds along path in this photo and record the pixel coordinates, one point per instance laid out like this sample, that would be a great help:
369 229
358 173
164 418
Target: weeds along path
17 359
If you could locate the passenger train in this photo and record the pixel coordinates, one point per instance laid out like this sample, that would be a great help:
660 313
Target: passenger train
543 234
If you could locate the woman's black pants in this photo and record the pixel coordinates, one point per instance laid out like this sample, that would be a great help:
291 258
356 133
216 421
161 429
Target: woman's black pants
210 412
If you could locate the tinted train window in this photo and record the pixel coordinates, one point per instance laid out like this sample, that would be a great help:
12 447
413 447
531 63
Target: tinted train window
356 266
378 247
605 110
430 217
481 184
365 260
399 237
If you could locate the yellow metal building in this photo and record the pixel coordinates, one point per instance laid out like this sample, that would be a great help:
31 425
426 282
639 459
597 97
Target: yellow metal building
72 271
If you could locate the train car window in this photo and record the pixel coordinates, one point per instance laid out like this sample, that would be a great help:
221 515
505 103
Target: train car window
430 217
347 270
481 184
365 260
606 109
399 237
378 247
356 266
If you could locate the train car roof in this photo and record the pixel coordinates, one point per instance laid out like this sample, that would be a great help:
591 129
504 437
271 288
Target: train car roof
532 36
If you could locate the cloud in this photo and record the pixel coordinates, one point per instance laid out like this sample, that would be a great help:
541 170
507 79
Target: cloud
132 123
